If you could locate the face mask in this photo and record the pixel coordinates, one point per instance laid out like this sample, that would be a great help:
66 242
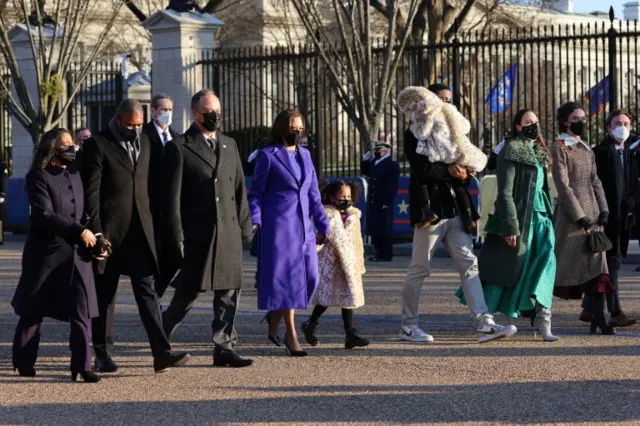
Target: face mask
621 133
343 205
293 138
131 135
212 120
531 131
577 128
165 118
67 155
377 155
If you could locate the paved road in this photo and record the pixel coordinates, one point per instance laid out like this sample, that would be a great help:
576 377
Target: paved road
581 379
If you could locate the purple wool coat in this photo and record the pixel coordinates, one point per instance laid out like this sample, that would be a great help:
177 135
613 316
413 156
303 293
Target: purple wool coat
286 210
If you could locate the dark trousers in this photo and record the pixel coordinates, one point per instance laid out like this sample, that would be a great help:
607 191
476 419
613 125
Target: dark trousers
225 306
27 337
136 262
383 246
612 298
168 268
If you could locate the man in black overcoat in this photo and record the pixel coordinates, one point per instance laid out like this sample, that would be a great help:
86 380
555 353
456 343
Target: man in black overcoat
618 171
208 220
383 176
115 174
160 134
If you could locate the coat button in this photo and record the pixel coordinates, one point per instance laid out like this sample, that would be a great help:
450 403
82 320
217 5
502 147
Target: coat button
73 201
70 187
215 180
230 178
233 198
73 215
136 197
217 199
233 219
219 219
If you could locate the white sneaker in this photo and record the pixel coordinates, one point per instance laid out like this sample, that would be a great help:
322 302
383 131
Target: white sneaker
413 333
488 330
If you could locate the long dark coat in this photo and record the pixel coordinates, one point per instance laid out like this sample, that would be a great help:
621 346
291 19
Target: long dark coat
207 209
115 188
53 247
4 182
498 263
620 222
383 181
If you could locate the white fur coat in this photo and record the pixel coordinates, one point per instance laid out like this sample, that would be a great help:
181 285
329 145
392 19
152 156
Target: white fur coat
341 262
440 129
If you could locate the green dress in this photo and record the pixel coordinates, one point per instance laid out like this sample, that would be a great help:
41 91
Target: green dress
537 279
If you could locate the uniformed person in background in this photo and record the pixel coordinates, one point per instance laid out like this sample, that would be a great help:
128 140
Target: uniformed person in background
383 175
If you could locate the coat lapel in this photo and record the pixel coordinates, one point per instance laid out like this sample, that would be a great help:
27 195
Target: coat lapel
123 153
145 150
198 145
283 157
222 152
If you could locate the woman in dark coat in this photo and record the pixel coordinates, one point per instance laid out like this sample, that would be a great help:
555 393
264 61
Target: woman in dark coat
57 279
286 207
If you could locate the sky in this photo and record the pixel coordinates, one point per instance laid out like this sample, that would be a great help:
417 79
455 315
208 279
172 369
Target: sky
584 6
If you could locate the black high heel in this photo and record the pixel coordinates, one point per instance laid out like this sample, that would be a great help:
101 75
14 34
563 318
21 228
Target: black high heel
275 340
297 354
26 372
87 376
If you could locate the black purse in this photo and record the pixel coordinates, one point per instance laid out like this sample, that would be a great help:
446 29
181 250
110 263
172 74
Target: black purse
255 242
598 242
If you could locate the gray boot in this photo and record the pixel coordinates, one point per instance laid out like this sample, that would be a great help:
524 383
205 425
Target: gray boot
542 324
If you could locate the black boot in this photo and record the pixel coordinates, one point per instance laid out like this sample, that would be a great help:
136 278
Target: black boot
309 329
599 320
354 340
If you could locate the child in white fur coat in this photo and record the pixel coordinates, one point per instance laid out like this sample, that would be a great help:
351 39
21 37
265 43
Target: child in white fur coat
441 133
340 263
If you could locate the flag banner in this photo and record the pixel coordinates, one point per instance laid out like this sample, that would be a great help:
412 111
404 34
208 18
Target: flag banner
598 96
500 97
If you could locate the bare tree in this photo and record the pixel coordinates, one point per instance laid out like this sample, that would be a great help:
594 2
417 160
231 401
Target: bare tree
52 61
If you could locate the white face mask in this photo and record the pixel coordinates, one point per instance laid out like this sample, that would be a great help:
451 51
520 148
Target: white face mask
621 133
165 117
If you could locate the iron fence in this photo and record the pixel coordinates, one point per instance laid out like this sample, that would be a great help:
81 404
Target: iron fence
536 68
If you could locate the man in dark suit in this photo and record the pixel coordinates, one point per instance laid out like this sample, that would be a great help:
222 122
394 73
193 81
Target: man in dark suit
618 171
208 220
160 133
383 175
115 173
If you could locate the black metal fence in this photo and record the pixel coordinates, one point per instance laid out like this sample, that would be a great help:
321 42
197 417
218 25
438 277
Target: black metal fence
492 75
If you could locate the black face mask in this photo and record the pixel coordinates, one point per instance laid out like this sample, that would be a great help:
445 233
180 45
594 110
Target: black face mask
377 155
577 128
531 131
343 205
130 135
293 138
212 120
67 155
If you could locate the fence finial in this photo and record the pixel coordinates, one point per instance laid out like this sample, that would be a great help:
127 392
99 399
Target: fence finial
612 15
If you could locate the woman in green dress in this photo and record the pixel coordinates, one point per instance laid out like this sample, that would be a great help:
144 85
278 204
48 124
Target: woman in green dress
517 262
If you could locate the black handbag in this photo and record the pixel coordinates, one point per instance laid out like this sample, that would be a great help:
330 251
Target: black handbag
254 244
598 242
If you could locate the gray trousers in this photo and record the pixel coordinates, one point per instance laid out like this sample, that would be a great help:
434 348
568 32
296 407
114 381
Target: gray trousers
460 247
225 306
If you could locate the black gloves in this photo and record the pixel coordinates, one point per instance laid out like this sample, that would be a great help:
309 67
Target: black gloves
603 219
584 223
628 204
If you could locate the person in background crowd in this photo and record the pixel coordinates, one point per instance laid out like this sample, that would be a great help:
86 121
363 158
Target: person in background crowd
208 219
618 171
439 178
383 175
517 262
57 279
115 175
159 132
4 182
287 211
441 91
492 164
581 208
81 136
341 263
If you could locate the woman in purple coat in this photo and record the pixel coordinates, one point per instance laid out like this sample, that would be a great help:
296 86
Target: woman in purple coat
285 205
57 278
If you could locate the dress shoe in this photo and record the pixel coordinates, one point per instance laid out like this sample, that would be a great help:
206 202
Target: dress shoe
163 363
87 376
291 352
230 359
621 320
26 371
354 340
309 329
586 316
379 259
106 365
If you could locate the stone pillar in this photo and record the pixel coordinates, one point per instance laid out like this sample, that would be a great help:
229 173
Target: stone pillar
179 41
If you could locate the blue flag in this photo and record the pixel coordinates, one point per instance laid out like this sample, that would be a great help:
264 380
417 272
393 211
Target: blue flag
500 96
598 96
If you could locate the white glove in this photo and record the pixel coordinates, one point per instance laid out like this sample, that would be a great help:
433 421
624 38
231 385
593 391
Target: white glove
367 156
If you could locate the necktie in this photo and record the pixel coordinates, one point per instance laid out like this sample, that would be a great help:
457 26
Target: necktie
621 155
165 138
132 151
212 143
